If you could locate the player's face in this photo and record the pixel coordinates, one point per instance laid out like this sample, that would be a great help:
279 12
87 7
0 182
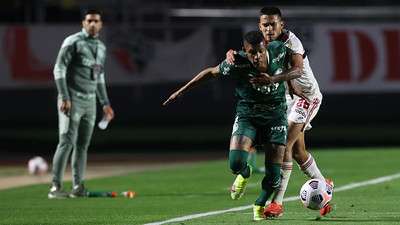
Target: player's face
271 26
256 54
92 24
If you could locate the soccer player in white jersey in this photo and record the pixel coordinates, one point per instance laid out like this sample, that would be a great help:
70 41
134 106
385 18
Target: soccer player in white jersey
302 108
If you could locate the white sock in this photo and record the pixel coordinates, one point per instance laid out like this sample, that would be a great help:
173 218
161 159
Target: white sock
285 176
310 168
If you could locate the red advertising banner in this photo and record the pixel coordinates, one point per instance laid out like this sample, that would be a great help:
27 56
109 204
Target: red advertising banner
357 57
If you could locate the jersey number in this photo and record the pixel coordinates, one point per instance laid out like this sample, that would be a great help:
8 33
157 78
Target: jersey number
303 103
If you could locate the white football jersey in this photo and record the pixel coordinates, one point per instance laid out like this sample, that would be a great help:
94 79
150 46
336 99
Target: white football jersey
307 81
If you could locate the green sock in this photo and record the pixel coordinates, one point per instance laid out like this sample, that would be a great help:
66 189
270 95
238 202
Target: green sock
275 173
238 162
269 183
252 160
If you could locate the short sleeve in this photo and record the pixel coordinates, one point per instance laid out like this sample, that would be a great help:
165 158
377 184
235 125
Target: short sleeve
295 45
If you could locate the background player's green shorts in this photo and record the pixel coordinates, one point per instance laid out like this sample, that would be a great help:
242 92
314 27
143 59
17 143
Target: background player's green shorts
271 131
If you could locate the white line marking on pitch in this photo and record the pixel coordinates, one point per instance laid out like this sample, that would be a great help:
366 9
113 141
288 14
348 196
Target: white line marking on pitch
289 199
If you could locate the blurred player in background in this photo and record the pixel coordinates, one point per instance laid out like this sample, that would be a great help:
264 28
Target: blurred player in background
301 108
79 77
261 109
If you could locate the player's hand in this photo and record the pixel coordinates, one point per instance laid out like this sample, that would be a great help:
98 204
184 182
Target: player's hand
262 79
65 107
172 98
108 112
230 56
296 90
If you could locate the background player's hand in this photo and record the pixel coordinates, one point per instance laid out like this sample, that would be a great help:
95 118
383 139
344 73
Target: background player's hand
230 56
108 112
296 90
262 79
172 98
65 107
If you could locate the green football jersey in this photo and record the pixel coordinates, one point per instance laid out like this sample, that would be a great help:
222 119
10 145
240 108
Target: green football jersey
256 100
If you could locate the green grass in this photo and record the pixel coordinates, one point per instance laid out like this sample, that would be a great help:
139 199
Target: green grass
203 187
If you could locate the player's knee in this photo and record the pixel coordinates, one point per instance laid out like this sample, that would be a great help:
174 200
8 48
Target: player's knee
65 145
237 160
82 147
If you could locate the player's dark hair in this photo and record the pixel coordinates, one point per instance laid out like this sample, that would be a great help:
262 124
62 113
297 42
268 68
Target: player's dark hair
253 37
271 10
91 11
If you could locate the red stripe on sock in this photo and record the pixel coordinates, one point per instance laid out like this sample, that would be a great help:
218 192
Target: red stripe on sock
307 163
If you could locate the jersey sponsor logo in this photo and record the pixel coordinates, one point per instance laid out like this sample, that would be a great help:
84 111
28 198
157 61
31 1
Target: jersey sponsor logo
266 89
279 128
279 57
302 113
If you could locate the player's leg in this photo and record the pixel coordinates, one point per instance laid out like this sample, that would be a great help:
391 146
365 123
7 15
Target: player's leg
79 155
252 159
310 168
238 154
305 160
275 209
271 181
275 135
68 126
243 134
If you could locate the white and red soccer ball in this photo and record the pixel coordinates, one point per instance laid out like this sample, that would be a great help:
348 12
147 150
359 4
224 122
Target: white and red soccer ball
316 193
37 166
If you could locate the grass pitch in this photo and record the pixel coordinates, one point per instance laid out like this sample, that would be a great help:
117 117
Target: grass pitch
203 187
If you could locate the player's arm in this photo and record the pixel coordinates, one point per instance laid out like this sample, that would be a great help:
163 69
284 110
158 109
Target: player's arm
60 73
296 61
101 93
295 71
201 77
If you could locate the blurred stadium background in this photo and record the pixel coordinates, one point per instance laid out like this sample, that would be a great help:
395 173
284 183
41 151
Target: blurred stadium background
156 46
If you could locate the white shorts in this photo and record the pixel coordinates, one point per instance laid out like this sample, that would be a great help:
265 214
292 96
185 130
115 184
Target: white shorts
301 111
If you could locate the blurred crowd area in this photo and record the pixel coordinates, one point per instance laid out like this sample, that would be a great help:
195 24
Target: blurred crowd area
135 11
157 45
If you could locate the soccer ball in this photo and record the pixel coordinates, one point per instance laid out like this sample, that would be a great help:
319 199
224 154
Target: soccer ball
315 194
37 166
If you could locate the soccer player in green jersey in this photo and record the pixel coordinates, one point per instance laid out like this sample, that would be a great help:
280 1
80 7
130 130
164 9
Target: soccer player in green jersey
79 77
261 108
302 108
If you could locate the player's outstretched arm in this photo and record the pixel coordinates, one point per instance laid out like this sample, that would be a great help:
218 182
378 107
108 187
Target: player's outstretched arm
204 75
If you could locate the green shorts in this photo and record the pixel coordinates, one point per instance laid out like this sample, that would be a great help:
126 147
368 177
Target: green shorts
261 131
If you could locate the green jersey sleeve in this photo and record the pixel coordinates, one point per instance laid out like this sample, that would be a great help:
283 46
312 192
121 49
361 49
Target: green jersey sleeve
102 90
64 58
225 69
